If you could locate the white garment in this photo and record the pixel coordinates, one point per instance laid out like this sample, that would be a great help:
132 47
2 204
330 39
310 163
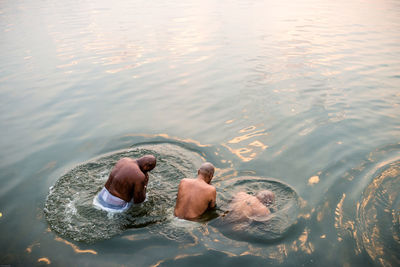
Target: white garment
108 202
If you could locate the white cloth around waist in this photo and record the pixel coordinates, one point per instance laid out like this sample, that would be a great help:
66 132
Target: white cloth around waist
111 199
108 202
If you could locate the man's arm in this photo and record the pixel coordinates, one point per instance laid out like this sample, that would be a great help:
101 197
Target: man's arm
212 203
139 193
146 178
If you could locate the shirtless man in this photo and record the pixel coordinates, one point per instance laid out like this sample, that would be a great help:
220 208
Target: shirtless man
127 181
244 206
195 196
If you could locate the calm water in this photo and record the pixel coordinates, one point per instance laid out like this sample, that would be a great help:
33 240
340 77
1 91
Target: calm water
306 92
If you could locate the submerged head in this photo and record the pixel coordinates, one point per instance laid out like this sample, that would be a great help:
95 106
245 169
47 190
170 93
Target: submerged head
266 197
147 163
207 171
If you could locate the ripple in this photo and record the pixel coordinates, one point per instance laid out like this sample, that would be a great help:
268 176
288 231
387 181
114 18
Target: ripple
368 210
69 210
378 215
283 216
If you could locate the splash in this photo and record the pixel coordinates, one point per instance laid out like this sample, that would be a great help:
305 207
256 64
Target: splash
69 210
267 228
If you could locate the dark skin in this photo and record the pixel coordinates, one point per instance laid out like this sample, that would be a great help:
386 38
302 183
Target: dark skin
129 178
195 196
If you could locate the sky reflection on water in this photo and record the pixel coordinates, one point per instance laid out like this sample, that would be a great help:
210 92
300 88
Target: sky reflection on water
303 91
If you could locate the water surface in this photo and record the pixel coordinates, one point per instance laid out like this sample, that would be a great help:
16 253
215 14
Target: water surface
306 92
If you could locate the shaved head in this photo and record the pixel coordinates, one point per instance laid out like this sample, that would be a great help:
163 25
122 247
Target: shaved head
147 162
207 170
267 197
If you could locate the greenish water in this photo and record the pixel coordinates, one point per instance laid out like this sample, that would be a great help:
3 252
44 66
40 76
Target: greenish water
304 92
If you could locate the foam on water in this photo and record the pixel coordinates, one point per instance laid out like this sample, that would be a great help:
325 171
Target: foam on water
69 207
70 211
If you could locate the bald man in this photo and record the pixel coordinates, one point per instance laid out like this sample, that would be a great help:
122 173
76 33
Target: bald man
247 207
127 183
195 196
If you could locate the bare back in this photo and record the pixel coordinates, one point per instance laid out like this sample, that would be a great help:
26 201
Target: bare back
127 181
245 206
194 198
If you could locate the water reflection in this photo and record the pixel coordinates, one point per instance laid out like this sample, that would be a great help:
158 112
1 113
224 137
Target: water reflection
368 209
378 215
44 260
288 87
166 137
245 146
313 180
75 247
30 247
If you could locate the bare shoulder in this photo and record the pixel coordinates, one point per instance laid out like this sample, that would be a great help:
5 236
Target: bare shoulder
212 189
123 163
259 208
185 181
140 176
123 160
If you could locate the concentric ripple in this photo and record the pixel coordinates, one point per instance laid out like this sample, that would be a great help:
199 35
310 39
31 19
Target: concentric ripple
69 210
368 211
283 216
378 216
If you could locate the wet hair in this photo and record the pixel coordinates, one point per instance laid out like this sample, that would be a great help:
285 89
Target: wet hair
147 162
266 197
207 169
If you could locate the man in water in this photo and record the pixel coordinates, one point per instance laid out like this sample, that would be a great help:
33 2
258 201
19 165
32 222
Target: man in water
247 207
127 181
195 196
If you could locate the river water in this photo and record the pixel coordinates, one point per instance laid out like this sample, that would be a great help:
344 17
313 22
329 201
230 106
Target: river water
303 92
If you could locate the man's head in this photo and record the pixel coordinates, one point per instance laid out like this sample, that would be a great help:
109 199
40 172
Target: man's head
207 171
266 197
147 163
